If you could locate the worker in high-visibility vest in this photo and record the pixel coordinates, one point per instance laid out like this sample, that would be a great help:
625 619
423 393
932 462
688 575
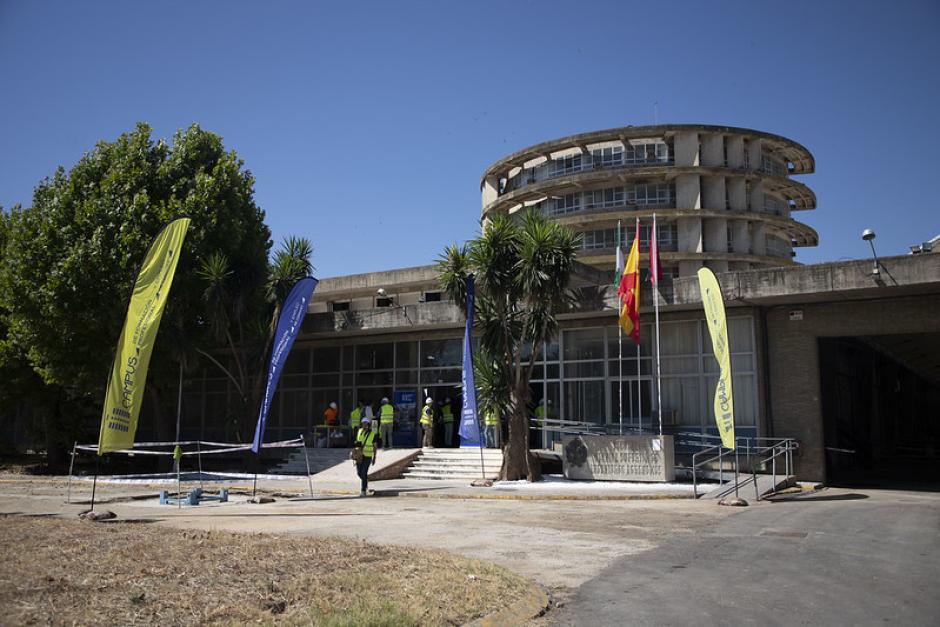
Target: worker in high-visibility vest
427 423
368 441
386 422
491 422
535 429
447 419
355 419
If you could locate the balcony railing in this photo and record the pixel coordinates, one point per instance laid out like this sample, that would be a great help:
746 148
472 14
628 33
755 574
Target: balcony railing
555 169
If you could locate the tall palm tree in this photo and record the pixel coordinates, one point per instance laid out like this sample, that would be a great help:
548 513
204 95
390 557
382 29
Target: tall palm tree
522 268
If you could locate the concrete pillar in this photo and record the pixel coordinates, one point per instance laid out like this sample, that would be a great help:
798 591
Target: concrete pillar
689 234
713 192
759 239
741 236
713 150
715 235
754 153
689 268
736 193
688 192
757 197
735 144
490 189
686 149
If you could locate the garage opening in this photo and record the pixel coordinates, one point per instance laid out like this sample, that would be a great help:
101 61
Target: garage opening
881 410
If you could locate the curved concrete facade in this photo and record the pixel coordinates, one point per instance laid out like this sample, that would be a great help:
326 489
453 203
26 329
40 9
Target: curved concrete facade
723 196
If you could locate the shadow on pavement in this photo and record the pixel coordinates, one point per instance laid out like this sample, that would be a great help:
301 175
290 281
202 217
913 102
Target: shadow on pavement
853 496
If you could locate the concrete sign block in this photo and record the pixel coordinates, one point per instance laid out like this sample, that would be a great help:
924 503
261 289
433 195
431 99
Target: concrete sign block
619 458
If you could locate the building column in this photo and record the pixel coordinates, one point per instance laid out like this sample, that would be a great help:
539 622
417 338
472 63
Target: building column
688 192
686 149
737 194
735 144
713 150
741 236
754 153
713 193
757 196
759 238
715 232
490 189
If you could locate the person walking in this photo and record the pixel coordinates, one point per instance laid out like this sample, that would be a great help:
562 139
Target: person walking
386 422
427 423
355 419
491 422
368 442
447 419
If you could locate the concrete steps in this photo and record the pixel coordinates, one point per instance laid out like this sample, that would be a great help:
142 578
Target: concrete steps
455 464
320 459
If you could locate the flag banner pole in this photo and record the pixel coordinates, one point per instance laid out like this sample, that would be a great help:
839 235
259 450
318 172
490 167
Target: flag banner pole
619 333
124 393
68 490
179 412
288 326
723 405
655 276
94 483
639 390
307 461
469 430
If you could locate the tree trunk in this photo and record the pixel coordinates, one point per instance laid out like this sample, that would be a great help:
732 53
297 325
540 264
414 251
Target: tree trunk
516 456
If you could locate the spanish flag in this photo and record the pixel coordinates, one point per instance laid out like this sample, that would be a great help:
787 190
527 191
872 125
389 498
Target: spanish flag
629 291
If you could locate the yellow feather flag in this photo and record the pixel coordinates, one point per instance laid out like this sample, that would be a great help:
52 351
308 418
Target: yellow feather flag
718 330
129 372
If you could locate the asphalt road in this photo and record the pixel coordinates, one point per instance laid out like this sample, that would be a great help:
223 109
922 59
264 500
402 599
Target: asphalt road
839 557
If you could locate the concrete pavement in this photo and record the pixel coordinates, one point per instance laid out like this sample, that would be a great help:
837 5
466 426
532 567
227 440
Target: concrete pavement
834 558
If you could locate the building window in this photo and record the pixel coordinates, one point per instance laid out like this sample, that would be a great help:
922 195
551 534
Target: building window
605 198
658 194
607 157
340 305
646 153
566 165
569 203
772 166
730 239
383 302
432 297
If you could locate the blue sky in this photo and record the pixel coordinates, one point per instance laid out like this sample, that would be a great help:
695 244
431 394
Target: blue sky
367 124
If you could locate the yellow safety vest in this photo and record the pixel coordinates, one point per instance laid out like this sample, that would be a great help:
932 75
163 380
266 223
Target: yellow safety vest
427 415
539 414
355 417
490 419
446 414
366 440
388 414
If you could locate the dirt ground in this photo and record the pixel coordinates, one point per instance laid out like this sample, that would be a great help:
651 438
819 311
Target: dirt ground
58 571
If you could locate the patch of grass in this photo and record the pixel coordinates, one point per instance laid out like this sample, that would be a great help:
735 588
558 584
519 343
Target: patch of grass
71 572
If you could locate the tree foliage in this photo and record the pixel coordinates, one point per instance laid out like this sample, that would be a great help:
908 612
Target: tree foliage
521 269
71 258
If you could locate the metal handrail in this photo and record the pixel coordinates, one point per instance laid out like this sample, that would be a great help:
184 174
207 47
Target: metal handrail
778 447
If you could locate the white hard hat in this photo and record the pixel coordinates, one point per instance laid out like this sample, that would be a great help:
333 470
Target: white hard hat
384 399
333 405
447 400
429 401
366 420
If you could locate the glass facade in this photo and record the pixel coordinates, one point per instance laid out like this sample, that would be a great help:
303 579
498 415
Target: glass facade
578 373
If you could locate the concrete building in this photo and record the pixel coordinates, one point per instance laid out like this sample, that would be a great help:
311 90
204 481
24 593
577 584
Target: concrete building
723 196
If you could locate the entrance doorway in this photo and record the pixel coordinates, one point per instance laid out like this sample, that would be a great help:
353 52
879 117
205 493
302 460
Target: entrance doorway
881 409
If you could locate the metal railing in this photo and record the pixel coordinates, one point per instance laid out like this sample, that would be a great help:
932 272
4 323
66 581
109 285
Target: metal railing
758 452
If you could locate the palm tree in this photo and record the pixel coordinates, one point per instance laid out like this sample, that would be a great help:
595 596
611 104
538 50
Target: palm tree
521 269
228 311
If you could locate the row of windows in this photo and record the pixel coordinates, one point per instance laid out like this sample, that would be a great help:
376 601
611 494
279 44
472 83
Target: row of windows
641 195
607 238
579 371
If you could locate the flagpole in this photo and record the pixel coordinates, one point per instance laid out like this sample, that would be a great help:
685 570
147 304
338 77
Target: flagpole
639 382
655 275
619 340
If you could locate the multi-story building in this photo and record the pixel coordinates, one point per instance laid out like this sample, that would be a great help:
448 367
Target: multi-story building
723 196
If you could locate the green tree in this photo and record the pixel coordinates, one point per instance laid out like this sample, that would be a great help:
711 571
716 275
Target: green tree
71 258
521 270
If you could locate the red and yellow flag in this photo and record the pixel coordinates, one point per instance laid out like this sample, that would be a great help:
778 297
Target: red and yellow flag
629 291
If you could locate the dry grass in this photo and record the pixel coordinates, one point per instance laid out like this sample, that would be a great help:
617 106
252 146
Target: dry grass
72 572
